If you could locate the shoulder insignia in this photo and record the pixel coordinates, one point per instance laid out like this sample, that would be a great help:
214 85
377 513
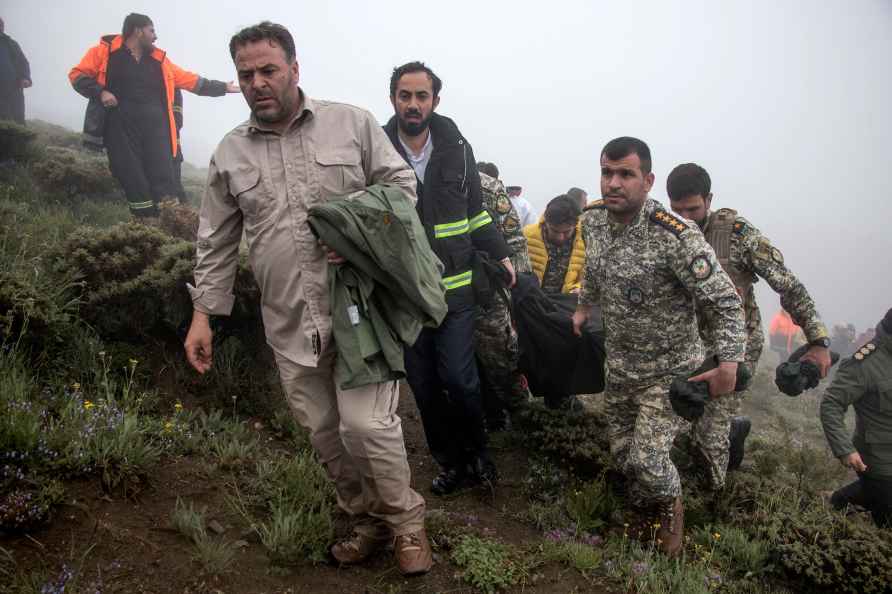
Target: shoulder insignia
865 351
503 205
594 204
674 224
701 268
739 227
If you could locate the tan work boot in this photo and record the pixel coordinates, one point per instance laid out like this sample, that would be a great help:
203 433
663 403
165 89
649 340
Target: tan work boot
357 548
670 535
413 553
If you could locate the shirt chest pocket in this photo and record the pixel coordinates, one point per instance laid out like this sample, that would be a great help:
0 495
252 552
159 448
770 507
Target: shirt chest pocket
339 171
246 187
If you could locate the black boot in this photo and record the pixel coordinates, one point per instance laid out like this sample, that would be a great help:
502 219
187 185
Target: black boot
740 429
484 470
451 480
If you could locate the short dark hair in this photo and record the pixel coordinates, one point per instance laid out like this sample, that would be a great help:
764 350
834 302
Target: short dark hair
622 147
577 193
273 32
409 68
134 21
562 210
489 169
688 179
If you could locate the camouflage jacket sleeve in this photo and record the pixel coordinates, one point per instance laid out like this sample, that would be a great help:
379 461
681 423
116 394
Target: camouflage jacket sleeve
846 389
506 220
589 290
768 262
695 265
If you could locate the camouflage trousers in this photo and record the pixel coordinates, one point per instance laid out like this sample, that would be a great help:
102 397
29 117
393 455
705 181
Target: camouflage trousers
641 427
498 352
709 436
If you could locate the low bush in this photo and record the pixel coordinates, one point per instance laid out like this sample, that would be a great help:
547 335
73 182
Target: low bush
487 565
15 140
74 175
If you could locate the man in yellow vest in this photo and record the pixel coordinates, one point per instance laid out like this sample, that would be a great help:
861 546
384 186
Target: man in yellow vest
555 245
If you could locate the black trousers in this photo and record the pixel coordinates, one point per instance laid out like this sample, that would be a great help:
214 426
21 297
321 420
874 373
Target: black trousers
178 189
137 139
442 372
872 493
12 104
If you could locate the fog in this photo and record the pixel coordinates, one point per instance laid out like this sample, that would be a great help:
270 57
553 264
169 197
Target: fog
786 102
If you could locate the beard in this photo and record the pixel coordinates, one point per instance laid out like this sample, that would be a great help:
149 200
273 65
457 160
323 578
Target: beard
279 109
413 128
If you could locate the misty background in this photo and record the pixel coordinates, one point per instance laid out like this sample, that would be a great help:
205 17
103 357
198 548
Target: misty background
786 103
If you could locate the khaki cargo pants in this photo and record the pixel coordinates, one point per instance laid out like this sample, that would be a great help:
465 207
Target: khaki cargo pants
359 438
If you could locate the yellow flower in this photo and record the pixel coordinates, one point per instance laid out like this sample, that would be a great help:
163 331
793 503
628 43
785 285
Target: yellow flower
168 426
88 405
178 406
717 536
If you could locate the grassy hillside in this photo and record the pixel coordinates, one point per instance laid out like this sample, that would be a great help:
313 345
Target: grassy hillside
121 470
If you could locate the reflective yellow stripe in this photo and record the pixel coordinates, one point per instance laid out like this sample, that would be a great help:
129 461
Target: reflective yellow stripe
458 280
451 229
480 220
141 205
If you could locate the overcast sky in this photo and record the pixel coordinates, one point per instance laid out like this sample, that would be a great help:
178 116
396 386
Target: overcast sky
787 103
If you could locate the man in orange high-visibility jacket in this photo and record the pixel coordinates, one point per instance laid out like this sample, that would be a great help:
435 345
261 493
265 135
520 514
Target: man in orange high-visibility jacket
130 84
783 332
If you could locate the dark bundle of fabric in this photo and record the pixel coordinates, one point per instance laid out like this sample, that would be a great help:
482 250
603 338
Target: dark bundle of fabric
554 360
793 376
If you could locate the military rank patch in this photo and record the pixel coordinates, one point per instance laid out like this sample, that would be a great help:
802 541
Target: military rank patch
865 351
635 295
668 221
701 268
503 205
777 256
739 227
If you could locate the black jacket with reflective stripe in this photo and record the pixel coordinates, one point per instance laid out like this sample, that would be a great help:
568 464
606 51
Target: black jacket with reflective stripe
450 206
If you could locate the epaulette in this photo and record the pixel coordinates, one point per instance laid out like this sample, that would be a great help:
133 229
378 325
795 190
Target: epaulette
668 221
865 351
595 204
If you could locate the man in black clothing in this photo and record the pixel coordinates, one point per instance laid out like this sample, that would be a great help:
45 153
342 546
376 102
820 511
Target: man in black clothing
441 367
15 76
131 86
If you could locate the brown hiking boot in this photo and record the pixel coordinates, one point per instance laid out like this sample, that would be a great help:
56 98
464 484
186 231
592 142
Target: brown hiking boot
670 535
413 553
356 549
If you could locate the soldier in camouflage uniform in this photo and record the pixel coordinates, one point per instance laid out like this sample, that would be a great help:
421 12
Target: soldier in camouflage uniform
496 340
746 255
650 270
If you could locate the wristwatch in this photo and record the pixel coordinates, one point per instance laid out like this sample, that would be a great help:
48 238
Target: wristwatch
821 342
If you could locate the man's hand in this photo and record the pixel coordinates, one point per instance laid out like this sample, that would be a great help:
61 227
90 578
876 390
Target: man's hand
25 83
854 462
198 342
510 268
108 99
232 87
820 356
332 256
580 317
721 380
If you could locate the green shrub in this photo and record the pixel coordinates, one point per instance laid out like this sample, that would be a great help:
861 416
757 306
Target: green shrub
577 440
73 174
15 140
288 503
591 505
488 565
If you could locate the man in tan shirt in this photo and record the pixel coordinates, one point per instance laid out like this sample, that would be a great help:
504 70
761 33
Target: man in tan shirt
295 152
